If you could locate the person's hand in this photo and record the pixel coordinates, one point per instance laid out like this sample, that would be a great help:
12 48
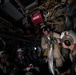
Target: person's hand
27 69
30 65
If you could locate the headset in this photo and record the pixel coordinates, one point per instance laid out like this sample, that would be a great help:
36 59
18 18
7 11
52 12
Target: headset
67 42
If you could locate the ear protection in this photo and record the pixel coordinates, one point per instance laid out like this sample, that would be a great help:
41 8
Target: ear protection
68 40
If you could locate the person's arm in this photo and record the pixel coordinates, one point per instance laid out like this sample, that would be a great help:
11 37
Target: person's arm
30 66
44 44
56 35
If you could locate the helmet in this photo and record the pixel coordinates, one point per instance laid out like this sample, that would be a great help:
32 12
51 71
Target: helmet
1 52
43 27
73 35
68 37
19 50
3 55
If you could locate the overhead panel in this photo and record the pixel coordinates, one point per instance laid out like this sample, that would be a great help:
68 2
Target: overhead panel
11 10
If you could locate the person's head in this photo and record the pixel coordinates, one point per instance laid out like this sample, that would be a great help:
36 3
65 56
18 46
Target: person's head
44 29
68 39
3 57
19 53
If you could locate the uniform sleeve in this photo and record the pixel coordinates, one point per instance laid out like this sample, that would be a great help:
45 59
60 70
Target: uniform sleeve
56 35
44 44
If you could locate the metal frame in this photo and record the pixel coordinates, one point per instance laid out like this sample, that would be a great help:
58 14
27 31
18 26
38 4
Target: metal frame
29 6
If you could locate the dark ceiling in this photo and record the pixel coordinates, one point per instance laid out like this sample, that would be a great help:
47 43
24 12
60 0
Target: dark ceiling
11 20
15 21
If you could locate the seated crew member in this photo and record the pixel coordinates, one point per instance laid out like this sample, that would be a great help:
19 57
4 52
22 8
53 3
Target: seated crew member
4 63
24 66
